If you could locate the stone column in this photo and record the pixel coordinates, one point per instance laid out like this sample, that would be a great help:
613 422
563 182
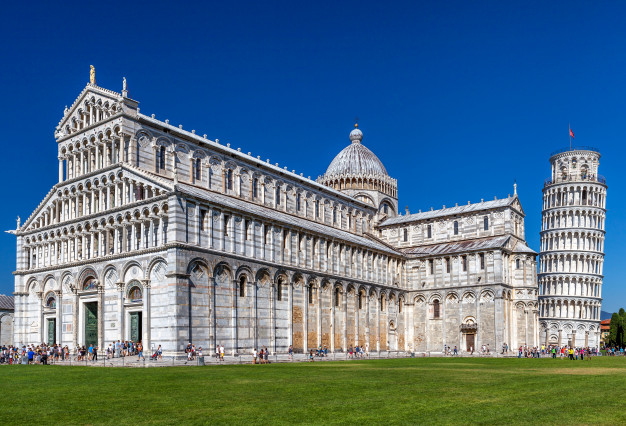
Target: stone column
60 169
273 318
560 337
59 317
235 315
213 319
443 324
75 318
378 324
255 325
332 319
319 315
367 319
42 328
344 303
305 319
586 338
100 316
120 307
290 313
356 318
146 326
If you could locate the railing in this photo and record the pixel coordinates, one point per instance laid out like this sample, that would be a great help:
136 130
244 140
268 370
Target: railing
575 148
589 178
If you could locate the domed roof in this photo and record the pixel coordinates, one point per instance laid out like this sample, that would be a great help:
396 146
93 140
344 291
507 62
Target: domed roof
356 159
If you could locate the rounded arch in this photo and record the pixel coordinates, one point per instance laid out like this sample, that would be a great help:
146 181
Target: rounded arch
222 273
87 273
245 271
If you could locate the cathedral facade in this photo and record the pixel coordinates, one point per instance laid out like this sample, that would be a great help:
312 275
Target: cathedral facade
156 234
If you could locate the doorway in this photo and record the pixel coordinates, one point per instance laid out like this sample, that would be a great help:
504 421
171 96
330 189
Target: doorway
91 324
52 331
136 328
470 342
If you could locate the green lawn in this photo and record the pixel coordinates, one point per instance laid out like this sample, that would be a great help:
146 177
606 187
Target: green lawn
421 390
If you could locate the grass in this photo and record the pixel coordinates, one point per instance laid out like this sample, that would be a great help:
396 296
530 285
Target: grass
420 390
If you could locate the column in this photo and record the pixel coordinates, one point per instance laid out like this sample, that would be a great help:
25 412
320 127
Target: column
290 313
145 317
256 316
273 318
120 310
42 326
367 319
332 319
101 317
305 310
345 320
319 314
235 315
60 169
378 324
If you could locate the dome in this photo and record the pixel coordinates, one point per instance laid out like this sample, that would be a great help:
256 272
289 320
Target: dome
356 159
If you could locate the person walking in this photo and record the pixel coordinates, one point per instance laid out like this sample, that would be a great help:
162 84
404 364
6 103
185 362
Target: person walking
140 352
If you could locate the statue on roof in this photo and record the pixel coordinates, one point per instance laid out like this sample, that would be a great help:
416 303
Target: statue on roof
92 75
19 222
124 83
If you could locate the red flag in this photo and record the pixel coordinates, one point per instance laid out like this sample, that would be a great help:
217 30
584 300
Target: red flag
571 133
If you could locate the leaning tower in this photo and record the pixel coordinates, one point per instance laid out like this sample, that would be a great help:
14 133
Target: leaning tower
572 249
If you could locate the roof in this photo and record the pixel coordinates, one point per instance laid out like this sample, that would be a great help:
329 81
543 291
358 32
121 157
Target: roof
7 302
483 205
521 247
281 217
606 322
356 159
458 247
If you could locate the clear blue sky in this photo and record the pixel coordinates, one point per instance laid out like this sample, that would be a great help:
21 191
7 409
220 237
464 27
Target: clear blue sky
457 99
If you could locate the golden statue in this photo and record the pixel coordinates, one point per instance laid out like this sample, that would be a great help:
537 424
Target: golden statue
92 75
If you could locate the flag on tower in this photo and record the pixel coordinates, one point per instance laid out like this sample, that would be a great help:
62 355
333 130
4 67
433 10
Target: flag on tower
571 133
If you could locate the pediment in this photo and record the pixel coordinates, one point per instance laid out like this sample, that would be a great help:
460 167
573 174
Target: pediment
92 105
39 217
518 206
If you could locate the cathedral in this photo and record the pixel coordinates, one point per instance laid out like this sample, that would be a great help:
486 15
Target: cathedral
157 234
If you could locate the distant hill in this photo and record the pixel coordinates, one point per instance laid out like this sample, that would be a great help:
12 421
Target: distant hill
605 315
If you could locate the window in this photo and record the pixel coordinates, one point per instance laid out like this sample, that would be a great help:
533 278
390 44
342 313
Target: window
265 235
482 261
134 294
298 202
198 170
229 180
310 290
516 263
317 208
226 220
400 303
242 286
456 227
255 188
382 302
334 216
277 195
245 229
406 235
429 231
279 290
203 220
436 308
161 158
336 297
385 208
360 300
486 223
464 261
431 266
448 265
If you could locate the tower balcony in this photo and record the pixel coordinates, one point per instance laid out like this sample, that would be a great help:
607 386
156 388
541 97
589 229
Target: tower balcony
578 179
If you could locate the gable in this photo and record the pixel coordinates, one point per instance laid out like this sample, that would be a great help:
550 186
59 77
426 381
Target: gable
92 105
43 214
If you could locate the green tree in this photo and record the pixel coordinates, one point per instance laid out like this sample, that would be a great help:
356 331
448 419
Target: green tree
613 329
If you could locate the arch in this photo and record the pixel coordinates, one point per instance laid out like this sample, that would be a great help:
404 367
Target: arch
134 291
222 273
86 273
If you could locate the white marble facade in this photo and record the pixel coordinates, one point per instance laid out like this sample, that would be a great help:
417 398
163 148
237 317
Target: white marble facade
572 249
156 233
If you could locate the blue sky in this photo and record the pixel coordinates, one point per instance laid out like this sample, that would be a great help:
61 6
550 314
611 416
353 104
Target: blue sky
458 100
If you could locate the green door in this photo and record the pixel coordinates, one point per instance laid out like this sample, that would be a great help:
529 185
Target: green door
52 328
135 326
91 324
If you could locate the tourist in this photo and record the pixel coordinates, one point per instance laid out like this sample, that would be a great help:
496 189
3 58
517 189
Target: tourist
140 352
456 352
265 356
290 353
94 354
311 356
254 355
222 353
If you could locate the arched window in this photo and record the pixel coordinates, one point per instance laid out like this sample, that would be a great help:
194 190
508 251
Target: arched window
90 284
298 202
382 302
406 235
255 188
334 216
277 195
456 227
516 263
317 208
486 223
229 180
436 308
198 167
161 158
242 286
279 290
385 208
336 297
429 231
360 300
51 302
310 290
